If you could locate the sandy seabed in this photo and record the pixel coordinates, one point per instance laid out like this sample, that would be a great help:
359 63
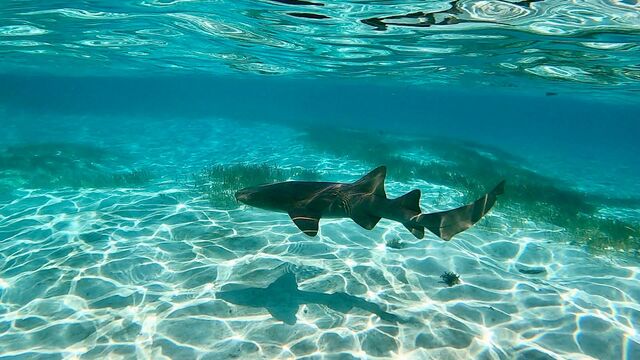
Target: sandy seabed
135 272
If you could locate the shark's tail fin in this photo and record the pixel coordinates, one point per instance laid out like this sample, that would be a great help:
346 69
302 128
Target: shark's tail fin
448 223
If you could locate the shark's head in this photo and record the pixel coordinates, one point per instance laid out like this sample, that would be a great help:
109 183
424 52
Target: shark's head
262 196
276 197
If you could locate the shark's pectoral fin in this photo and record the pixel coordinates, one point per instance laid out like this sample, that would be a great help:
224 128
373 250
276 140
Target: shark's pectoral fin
285 313
307 223
364 219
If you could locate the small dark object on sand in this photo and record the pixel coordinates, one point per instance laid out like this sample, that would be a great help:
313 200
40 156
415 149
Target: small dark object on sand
396 244
450 278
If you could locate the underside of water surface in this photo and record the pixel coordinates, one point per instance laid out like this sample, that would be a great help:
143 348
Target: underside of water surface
127 128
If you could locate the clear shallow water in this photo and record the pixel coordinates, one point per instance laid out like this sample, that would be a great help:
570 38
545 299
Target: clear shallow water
108 249
135 272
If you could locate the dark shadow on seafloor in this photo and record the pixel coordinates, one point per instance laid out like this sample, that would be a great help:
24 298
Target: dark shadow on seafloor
282 299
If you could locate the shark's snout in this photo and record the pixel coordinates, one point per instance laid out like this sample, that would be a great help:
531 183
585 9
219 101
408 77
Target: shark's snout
267 196
241 196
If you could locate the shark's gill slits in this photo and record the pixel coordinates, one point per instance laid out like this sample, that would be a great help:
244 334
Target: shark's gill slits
345 202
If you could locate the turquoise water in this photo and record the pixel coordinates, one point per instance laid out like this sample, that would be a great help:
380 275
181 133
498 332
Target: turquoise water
120 236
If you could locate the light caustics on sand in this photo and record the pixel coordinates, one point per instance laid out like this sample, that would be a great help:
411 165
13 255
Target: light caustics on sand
136 272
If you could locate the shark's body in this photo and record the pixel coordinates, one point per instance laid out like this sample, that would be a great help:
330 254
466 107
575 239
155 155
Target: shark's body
283 299
365 201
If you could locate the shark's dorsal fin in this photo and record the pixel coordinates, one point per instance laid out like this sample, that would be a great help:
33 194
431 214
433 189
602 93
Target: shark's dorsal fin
410 200
364 219
307 223
373 182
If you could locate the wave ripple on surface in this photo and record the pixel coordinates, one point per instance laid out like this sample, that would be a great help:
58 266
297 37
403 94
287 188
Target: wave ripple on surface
505 43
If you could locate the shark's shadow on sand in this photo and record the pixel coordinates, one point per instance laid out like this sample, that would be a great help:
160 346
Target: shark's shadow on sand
283 298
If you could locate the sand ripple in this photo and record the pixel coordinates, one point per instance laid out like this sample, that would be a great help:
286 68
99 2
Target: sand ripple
134 272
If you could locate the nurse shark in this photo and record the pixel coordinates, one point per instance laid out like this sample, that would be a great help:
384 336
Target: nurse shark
365 202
